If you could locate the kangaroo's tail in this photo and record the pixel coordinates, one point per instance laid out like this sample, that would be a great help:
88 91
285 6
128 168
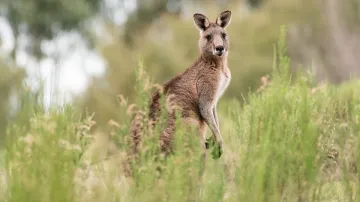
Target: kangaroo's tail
137 128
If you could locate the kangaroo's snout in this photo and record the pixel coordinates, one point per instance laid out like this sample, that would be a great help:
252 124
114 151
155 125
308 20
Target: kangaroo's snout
219 50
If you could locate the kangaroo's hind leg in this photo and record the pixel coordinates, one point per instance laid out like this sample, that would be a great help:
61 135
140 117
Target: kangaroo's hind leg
199 127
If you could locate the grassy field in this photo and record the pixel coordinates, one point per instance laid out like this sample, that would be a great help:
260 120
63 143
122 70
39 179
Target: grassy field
290 141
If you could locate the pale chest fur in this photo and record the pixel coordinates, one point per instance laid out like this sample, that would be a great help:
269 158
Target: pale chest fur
223 83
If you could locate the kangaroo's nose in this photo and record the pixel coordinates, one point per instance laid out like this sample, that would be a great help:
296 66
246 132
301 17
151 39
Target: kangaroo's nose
219 48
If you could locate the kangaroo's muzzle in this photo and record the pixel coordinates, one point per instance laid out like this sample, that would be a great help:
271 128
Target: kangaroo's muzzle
219 50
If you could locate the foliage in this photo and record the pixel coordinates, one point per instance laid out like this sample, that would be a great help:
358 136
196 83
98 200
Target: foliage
44 19
46 155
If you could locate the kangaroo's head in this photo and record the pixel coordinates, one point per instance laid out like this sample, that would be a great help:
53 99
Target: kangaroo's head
213 37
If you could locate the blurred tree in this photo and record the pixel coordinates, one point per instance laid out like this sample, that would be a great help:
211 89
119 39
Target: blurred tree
254 3
36 20
146 12
331 45
44 19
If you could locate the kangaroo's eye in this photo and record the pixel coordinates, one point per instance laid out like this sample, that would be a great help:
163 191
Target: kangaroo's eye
208 37
223 35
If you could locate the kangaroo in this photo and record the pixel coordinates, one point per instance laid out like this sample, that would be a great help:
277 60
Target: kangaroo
198 89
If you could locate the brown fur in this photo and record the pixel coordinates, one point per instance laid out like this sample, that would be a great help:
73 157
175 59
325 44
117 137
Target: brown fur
196 91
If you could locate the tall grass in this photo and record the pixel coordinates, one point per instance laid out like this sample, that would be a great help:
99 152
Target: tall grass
288 142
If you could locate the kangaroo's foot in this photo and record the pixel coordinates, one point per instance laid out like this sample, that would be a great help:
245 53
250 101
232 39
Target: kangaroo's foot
217 151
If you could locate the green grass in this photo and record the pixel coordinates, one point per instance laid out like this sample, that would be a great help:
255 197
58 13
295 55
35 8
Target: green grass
286 143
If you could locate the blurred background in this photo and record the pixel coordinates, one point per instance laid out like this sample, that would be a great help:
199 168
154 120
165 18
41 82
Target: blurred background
86 51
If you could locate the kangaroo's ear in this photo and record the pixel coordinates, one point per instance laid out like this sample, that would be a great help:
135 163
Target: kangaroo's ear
223 20
201 21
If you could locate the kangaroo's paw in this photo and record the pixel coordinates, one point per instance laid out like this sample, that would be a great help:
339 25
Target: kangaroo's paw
217 151
210 142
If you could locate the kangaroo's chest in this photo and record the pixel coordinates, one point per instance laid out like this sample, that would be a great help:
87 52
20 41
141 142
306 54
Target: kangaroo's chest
223 83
